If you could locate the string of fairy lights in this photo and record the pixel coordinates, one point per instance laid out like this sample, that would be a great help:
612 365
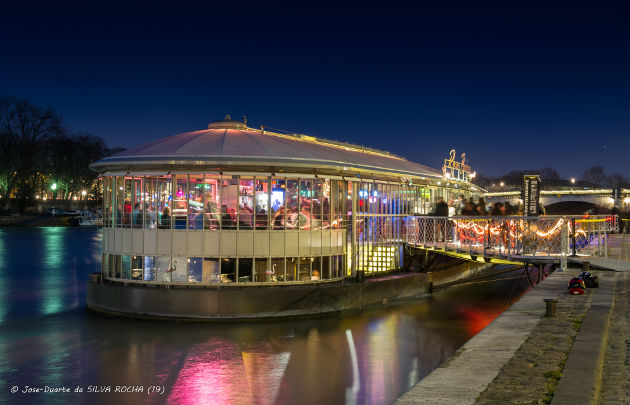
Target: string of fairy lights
510 227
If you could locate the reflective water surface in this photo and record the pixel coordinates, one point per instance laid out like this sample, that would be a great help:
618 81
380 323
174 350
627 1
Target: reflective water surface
47 338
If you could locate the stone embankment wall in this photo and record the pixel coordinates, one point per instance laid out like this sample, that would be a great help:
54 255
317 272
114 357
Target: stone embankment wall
25 220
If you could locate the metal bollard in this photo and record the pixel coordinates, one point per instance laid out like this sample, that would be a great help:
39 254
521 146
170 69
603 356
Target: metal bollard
586 266
551 306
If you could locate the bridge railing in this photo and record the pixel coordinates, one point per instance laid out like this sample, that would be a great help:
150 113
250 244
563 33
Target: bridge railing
514 237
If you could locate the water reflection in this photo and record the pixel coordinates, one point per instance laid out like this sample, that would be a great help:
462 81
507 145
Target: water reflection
366 357
53 281
353 392
43 269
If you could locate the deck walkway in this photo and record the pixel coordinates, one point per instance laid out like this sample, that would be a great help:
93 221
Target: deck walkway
523 357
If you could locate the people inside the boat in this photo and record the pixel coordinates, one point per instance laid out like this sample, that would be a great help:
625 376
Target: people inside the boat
137 215
166 218
150 217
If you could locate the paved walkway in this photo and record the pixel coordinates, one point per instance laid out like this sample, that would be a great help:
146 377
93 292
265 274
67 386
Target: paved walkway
581 356
615 387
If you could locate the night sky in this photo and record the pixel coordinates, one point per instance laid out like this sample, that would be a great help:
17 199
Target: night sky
514 88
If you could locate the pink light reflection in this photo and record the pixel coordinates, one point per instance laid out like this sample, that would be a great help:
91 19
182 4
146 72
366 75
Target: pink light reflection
219 373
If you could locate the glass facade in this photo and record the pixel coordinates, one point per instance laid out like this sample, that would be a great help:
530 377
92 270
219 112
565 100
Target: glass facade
177 269
371 214
215 202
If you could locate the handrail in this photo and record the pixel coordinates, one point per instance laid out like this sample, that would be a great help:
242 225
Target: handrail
514 237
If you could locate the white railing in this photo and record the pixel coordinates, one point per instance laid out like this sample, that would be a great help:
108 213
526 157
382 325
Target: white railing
514 237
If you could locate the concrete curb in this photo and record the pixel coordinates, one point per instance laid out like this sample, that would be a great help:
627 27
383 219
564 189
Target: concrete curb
581 378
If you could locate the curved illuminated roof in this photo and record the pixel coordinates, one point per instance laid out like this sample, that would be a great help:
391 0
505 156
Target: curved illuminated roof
230 144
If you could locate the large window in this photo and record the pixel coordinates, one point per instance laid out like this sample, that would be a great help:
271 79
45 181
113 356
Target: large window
277 270
126 267
150 203
163 267
136 267
316 268
292 204
261 202
211 272
338 204
195 269
229 202
317 217
228 270
213 202
326 273
306 194
119 210
177 269
245 270
164 190
195 201
150 268
137 212
212 212
180 202
292 268
246 203
304 268
262 271
108 203
278 209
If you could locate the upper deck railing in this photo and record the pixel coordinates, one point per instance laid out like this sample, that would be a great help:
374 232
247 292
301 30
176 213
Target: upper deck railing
515 238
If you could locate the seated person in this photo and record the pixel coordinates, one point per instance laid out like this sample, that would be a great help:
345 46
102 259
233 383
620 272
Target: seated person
196 220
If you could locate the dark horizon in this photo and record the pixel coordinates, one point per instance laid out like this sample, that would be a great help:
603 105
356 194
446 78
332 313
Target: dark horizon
512 87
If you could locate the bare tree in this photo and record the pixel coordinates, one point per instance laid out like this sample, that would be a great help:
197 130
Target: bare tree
548 173
595 175
36 151
23 127
617 180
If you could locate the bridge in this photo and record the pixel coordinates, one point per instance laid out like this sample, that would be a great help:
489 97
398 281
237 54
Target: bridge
535 240
601 196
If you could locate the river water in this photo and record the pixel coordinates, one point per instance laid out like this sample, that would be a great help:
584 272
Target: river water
48 339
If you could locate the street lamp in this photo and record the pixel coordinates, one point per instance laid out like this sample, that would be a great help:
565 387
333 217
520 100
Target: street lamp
572 180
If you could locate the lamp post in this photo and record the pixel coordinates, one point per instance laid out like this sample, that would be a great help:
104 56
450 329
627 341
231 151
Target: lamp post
53 187
84 194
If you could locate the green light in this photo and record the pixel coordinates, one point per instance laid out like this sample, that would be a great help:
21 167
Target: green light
54 186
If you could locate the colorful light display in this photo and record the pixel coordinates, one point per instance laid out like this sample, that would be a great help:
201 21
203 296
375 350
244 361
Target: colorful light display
454 170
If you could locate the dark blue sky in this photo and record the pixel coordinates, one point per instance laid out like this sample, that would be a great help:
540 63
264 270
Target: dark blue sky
513 87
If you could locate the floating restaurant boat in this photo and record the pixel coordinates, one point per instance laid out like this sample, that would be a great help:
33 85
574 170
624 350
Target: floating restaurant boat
236 222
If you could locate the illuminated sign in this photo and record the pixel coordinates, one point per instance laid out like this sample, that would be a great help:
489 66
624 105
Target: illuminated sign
455 170
531 195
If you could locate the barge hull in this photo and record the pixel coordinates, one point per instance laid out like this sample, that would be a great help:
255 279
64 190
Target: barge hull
250 302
